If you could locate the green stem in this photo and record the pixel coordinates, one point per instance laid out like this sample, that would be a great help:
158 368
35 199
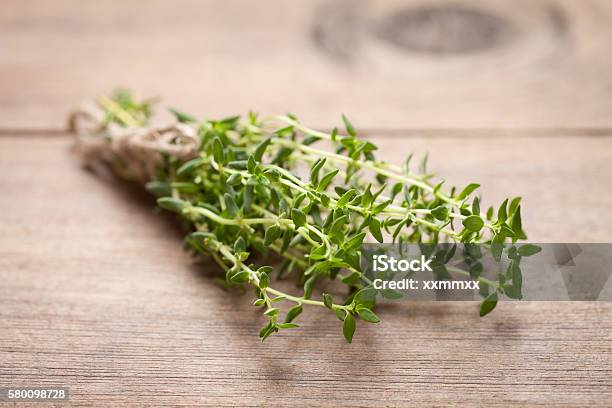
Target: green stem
253 277
389 170
116 109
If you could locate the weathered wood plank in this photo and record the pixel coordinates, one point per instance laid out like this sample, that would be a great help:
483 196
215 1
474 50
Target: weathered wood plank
392 64
97 295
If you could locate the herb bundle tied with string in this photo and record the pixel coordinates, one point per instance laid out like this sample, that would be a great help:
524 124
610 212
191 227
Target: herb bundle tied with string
255 185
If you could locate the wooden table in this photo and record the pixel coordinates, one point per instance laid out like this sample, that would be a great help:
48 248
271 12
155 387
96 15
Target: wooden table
97 295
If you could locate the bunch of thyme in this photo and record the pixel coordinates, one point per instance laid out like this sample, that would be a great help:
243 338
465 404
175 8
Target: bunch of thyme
260 185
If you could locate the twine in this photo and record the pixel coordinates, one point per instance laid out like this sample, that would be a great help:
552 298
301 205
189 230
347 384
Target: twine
134 153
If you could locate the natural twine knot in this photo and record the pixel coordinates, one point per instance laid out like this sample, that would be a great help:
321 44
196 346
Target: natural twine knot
135 153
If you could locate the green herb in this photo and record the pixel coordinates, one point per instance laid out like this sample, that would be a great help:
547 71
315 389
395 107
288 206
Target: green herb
239 190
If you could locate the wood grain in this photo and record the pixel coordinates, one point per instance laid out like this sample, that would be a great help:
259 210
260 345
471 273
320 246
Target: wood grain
97 295
392 64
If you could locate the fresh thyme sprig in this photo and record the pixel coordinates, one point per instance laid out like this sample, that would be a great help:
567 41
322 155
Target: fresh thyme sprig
260 185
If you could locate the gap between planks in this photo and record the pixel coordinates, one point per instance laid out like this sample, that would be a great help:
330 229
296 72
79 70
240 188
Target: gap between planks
475 133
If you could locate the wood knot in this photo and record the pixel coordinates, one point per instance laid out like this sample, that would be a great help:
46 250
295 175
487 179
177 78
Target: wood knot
444 29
